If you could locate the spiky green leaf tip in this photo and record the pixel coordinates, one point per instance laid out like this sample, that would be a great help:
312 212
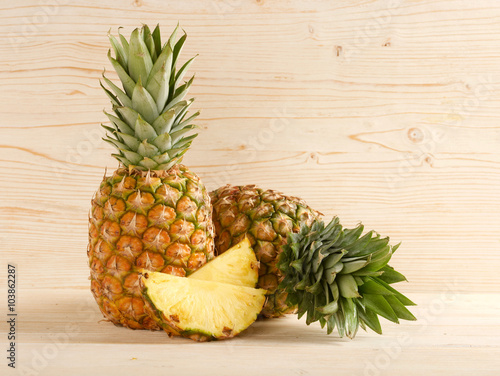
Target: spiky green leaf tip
341 278
150 124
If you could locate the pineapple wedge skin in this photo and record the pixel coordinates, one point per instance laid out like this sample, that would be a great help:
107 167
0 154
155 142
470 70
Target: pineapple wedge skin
175 322
236 266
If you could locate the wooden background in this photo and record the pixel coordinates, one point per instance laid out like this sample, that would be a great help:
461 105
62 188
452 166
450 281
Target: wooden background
381 111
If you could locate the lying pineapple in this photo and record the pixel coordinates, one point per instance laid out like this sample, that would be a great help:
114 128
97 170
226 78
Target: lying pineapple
336 276
217 301
152 212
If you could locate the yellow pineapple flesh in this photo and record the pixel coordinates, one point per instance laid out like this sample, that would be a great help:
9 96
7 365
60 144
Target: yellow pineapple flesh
236 266
198 309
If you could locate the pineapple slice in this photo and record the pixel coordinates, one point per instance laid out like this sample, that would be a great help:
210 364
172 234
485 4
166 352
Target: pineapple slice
201 310
236 266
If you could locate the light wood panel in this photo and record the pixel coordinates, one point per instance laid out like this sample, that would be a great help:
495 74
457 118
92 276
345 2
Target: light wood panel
61 336
380 111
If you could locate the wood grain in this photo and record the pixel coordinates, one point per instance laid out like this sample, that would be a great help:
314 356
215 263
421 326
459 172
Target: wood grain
63 325
384 112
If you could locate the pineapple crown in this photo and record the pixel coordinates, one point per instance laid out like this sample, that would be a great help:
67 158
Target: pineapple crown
340 278
149 124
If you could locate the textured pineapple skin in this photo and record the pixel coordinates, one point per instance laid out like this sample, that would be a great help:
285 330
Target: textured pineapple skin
145 220
265 217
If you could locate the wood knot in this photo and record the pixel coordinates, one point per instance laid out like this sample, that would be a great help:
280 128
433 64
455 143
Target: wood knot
337 50
415 135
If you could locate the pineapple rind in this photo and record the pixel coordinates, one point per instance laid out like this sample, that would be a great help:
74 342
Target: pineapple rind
265 217
170 231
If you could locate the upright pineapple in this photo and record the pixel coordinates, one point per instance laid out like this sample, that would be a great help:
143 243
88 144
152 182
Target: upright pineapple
152 213
336 276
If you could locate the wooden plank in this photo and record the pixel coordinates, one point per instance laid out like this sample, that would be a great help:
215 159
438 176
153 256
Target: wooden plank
384 112
456 334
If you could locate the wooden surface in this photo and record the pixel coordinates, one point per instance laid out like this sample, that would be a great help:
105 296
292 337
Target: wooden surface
381 111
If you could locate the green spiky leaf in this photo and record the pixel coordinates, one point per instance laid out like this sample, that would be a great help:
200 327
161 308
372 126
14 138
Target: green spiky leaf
124 42
399 309
151 119
120 54
147 150
127 82
144 104
334 275
158 80
163 142
117 144
148 164
180 75
120 124
139 60
380 306
133 157
128 115
391 276
120 94
143 130
179 94
370 286
157 38
130 141
149 42
164 122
